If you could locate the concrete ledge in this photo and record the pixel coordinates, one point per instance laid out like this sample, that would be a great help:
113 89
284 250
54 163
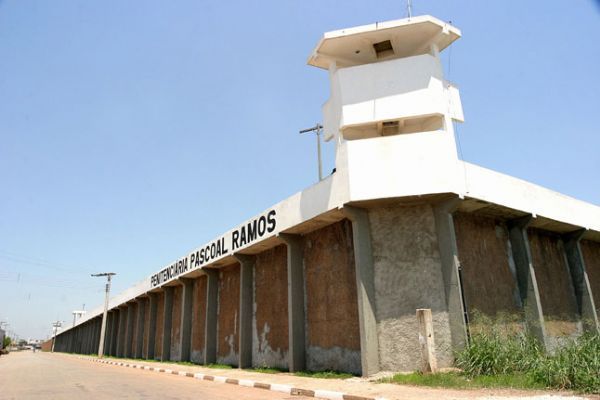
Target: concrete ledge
316 393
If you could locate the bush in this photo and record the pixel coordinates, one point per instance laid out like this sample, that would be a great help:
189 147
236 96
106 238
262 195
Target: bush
574 366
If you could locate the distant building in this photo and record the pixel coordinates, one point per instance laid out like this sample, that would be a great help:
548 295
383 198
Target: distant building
330 277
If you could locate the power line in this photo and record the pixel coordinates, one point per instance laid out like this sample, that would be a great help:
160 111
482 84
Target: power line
42 263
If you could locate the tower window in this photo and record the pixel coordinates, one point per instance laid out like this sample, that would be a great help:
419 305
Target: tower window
383 49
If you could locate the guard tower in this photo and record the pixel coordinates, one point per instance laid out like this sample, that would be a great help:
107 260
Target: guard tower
390 110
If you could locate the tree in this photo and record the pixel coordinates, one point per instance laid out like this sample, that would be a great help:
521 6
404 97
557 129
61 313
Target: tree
6 342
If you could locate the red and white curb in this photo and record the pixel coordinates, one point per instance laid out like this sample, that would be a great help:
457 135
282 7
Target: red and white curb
275 387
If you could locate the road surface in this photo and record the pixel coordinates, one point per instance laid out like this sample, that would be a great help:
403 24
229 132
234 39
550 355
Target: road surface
26 375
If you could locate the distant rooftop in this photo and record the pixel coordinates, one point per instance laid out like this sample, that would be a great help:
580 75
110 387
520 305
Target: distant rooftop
382 40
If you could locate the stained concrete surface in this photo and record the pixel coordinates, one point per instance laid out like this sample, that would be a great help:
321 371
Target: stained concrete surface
591 256
333 334
554 284
31 376
270 323
408 276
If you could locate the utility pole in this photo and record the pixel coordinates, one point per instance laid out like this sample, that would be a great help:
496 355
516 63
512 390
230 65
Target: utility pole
55 327
108 276
317 129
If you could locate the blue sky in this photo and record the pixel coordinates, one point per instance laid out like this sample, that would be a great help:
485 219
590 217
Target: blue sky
132 132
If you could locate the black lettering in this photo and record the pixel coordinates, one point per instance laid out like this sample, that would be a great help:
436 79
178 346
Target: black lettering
235 235
225 250
262 226
218 248
213 250
272 222
242 236
251 231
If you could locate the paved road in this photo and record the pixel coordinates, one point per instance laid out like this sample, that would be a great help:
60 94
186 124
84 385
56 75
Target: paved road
26 375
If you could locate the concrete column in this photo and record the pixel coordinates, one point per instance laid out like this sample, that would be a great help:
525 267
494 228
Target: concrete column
526 282
296 318
451 271
108 336
365 289
121 337
187 299
210 326
167 324
115 332
581 283
150 343
129 330
246 309
139 331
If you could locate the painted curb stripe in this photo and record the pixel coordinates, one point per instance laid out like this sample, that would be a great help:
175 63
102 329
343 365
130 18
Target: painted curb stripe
275 387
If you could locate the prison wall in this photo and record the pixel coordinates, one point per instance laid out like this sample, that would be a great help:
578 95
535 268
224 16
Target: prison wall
198 320
333 338
489 280
228 314
407 276
591 256
557 295
176 324
270 321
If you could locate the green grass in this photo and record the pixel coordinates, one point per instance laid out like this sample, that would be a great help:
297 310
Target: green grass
324 374
219 366
266 370
454 380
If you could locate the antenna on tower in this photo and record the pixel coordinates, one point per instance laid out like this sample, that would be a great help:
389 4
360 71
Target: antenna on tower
409 8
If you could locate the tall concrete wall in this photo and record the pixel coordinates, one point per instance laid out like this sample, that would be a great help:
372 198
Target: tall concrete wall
554 283
408 276
488 272
591 257
333 337
270 322
198 320
228 314
176 324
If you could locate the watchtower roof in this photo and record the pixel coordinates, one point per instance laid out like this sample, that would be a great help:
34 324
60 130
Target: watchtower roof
382 40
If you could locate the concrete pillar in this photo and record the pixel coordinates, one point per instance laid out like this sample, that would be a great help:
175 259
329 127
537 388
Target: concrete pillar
167 323
451 271
581 283
129 330
296 317
210 326
526 282
108 336
365 289
139 331
246 309
150 343
115 332
187 299
121 337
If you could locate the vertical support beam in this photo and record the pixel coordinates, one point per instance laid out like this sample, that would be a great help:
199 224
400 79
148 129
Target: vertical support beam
526 281
108 337
139 332
451 271
365 289
167 324
187 299
581 283
296 317
115 332
151 342
121 337
210 326
246 308
129 330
